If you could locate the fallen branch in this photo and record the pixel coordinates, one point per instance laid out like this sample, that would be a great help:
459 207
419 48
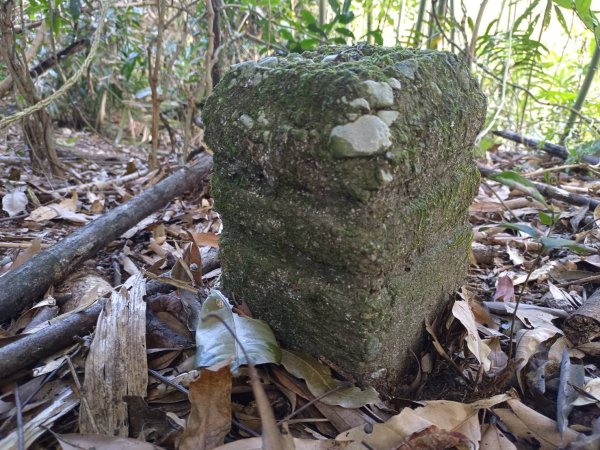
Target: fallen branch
551 191
21 287
31 348
553 149
27 351
99 185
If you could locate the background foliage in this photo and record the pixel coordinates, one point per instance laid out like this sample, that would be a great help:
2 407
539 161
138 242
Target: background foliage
532 57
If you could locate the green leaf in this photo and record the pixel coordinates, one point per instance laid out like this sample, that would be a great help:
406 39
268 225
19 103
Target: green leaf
346 18
345 32
525 14
565 3
527 229
376 36
215 344
307 17
335 5
547 14
470 23
553 242
319 381
583 9
346 6
548 219
308 44
316 29
561 20
516 181
286 35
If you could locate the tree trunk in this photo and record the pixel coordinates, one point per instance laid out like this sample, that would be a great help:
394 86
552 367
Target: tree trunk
37 128
419 24
583 92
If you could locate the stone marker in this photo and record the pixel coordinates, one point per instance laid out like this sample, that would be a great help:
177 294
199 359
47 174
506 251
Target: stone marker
343 177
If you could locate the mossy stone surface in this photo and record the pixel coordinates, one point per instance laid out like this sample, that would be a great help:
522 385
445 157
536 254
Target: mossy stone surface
343 177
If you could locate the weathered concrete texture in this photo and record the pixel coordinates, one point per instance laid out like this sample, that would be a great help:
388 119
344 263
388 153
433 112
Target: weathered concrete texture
343 177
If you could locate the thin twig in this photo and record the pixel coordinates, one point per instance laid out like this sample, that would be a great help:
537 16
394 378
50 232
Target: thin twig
518 301
20 429
82 397
314 400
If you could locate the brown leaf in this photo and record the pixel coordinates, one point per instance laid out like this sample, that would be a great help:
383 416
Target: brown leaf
505 290
210 417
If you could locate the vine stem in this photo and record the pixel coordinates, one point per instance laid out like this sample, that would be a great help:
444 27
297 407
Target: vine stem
518 300
71 81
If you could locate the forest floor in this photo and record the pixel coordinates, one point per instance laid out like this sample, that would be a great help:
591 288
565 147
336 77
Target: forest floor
475 386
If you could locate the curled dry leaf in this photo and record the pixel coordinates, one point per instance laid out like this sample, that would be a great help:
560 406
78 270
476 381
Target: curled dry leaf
14 202
480 350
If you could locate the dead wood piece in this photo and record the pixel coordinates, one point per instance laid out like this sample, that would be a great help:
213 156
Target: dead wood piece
551 191
485 254
583 325
100 185
20 287
31 348
552 149
116 365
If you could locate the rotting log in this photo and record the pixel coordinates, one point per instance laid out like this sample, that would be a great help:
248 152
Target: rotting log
552 149
19 288
583 325
551 191
343 177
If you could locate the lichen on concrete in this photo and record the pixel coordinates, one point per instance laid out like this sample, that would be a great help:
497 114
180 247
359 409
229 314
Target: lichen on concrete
343 177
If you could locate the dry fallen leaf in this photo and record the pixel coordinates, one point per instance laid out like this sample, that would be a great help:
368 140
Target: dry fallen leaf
210 418
14 202
480 350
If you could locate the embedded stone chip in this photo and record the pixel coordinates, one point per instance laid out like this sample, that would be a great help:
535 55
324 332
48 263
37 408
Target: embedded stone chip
365 136
262 119
385 176
388 117
246 121
394 83
360 103
269 61
378 94
244 67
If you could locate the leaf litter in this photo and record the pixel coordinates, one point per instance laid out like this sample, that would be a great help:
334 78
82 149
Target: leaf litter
511 363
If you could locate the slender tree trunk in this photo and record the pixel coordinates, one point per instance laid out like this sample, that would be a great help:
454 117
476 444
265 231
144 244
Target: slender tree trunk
528 86
369 26
440 12
399 24
154 78
419 24
322 11
473 43
215 72
210 18
37 128
583 92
